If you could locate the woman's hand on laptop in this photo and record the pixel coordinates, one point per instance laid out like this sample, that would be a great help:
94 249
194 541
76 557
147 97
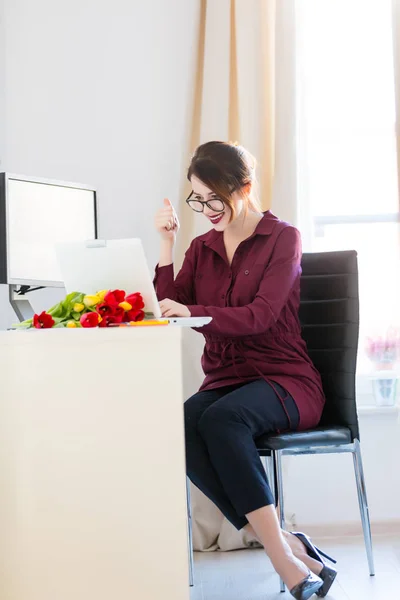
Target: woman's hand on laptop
166 222
169 308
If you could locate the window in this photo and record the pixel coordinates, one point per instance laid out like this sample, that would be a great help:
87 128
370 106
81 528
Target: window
347 144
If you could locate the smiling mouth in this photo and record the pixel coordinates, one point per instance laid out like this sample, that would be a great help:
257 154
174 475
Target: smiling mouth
217 219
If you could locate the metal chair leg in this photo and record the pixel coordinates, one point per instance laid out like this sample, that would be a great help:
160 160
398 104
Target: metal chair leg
190 535
269 470
278 467
362 499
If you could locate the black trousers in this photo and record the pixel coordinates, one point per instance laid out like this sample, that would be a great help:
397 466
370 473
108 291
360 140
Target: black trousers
221 426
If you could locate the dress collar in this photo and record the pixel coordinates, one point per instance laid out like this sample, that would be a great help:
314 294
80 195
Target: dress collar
214 238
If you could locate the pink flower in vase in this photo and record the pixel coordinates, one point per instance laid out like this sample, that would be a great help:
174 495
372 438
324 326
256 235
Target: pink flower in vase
384 351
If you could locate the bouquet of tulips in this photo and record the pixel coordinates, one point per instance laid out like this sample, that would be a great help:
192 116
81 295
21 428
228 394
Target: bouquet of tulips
104 309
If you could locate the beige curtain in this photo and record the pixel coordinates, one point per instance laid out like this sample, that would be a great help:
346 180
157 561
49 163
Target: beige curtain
239 95
234 91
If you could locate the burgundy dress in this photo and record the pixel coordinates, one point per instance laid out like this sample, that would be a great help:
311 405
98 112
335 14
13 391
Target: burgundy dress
254 303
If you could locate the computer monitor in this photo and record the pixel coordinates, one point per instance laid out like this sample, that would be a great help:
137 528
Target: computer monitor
35 215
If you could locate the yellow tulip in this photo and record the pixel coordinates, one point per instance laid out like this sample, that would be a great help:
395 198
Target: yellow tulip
125 305
78 307
71 324
90 301
102 294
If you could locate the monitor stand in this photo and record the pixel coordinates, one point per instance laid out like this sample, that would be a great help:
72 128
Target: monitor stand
20 302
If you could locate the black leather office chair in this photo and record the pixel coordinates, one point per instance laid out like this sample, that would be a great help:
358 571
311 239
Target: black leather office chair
329 314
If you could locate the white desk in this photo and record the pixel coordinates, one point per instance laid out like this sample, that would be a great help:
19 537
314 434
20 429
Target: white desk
92 471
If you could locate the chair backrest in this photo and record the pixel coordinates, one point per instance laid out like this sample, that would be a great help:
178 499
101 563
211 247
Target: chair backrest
329 315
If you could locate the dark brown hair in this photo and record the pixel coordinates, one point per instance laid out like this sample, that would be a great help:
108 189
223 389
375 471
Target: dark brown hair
225 168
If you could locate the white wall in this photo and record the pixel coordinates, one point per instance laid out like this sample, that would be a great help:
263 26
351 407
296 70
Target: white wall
99 93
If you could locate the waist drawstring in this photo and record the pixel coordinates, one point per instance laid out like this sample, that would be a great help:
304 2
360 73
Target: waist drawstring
233 346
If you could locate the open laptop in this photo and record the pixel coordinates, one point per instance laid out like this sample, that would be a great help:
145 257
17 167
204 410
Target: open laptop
113 264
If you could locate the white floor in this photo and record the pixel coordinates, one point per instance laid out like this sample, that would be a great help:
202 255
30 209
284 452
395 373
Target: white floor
248 575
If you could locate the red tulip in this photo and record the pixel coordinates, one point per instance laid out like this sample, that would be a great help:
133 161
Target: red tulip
90 319
109 320
105 309
111 310
135 315
43 321
115 297
135 300
119 314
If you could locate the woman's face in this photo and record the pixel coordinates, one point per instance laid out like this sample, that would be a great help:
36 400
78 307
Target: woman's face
218 219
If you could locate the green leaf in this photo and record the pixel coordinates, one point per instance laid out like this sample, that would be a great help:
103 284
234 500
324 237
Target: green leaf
56 310
24 325
62 311
58 320
72 298
64 308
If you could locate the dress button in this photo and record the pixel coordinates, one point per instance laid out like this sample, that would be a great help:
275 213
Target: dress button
223 296
246 272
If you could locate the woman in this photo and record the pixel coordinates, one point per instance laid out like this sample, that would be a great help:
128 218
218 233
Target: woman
245 274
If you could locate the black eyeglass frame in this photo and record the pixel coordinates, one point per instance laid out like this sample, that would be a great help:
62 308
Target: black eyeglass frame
204 202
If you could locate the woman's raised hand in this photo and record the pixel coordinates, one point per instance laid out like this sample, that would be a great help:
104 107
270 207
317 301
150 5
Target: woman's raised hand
166 222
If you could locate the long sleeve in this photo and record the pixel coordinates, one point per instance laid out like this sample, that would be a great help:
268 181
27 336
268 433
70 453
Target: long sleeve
182 288
258 316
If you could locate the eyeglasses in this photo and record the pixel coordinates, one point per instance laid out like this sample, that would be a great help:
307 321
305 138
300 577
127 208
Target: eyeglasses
215 204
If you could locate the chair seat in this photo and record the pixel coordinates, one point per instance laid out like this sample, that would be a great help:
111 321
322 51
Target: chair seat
321 436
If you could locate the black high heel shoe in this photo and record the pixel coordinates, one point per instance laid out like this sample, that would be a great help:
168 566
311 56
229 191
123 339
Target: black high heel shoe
306 588
327 574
